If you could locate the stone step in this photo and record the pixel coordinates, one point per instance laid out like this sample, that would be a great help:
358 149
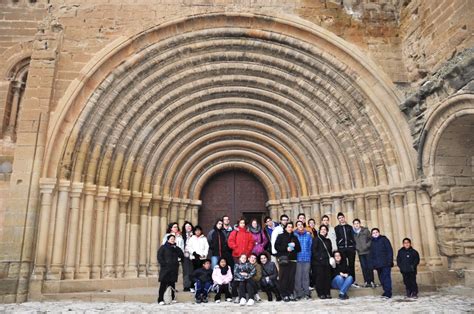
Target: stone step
149 295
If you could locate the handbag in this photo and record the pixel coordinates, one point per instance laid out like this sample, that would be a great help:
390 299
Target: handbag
332 261
283 260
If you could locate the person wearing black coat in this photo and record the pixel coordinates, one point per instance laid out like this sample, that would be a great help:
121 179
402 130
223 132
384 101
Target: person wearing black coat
287 247
381 259
168 257
321 251
346 243
218 244
408 260
268 282
188 232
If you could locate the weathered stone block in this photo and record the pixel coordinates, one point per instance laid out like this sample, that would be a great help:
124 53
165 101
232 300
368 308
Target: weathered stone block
462 194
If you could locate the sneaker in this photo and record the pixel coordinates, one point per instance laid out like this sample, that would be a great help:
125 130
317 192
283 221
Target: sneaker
311 288
341 297
205 300
385 297
192 290
355 285
257 298
218 301
322 297
243 301
286 299
236 300
346 296
250 302
373 285
161 303
229 299
328 296
174 301
367 285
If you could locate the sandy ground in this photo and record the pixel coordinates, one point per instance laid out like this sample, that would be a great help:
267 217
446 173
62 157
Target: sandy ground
452 300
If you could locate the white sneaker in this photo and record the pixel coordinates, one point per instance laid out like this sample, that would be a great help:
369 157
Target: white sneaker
161 303
250 302
174 301
311 288
229 299
192 290
236 300
243 301
218 301
257 298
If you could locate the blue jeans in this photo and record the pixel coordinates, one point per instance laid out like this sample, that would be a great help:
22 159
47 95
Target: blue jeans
214 261
342 283
202 288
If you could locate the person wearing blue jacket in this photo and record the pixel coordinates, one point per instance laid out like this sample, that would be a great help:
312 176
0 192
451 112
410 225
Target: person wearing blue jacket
303 262
381 258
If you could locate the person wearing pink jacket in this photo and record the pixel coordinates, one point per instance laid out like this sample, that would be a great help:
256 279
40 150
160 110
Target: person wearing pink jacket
259 238
222 276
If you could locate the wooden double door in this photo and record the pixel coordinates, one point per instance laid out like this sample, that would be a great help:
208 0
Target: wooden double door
234 193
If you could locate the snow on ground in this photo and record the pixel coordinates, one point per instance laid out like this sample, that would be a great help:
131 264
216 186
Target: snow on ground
452 300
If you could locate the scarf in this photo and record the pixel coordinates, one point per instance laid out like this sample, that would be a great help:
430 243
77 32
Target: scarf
224 270
255 230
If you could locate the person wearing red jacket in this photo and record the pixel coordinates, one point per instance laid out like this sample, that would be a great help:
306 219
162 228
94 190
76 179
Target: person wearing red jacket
240 241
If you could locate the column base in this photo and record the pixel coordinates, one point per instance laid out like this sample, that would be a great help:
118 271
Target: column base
69 272
109 271
95 273
83 273
142 271
153 270
131 272
119 272
38 273
55 273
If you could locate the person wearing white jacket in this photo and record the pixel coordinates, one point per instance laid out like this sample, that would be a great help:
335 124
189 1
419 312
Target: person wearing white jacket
197 247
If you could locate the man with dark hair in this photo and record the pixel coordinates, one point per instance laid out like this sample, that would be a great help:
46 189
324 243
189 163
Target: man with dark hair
270 225
346 243
275 233
363 240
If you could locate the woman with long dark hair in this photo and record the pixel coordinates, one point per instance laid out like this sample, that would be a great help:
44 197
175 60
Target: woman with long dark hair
188 231
321 253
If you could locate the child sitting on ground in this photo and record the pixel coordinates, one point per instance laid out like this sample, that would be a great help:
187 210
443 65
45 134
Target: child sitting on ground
222 276
202 281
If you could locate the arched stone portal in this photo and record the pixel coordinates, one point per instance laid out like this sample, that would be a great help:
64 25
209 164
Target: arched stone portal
234 193
159 114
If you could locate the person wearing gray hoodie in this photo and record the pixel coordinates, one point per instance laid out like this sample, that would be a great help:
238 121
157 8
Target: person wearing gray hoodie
363 240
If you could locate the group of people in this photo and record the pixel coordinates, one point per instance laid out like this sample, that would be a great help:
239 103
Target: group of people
285 260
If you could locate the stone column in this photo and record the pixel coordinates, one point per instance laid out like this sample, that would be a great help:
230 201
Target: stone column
132 265
165 203
273 209
337 208
16 89
122 232
111 236
155 235
99 231
349 208
47 186
327 210
72 239
85 255
55 272
144 207
194 208
182 212
400 223
316 210
434 258
415 223
287 208
373 219
386 217
360 209
306 207
174 208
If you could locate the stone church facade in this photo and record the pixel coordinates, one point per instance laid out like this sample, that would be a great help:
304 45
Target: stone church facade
115 117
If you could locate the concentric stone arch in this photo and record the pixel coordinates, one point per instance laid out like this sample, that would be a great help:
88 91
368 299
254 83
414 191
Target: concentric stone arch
155 115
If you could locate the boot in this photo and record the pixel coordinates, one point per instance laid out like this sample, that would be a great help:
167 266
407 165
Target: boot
269 296
277 294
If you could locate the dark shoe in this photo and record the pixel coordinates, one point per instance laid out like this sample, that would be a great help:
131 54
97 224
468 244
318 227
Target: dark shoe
328 296
269 296
293 299
278 298
346 297
341 297
322 297
198 299
205 300
286 299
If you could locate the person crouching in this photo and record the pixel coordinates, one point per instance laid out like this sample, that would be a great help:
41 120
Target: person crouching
243 273
222 276
202 281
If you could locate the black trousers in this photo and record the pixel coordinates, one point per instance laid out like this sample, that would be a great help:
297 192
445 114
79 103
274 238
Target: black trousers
163 286
409 280
187 271
245 288
223 289
268 288
323 284
287 275
350 254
